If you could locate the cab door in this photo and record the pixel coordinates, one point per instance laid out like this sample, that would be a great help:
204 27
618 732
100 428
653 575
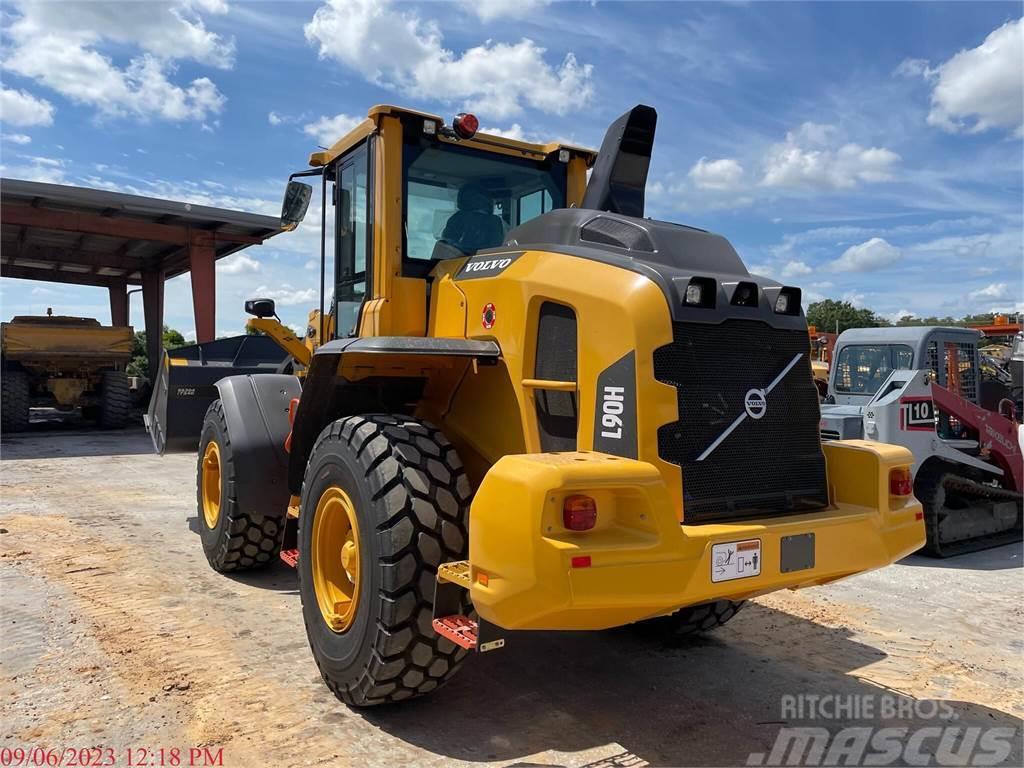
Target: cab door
353 239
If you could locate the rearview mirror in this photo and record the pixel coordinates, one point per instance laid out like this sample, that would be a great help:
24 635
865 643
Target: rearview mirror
296 202
260 307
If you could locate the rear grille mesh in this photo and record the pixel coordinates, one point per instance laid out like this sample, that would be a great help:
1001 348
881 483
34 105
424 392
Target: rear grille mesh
768 466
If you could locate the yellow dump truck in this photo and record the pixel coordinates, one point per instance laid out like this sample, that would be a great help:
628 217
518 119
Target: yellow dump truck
522 420
66 362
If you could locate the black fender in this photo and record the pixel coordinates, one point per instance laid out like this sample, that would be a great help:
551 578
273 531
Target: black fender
326 396
256 410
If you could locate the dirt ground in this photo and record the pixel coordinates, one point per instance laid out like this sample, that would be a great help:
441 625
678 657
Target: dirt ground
116 634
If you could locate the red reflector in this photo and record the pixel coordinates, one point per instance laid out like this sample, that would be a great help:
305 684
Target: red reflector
900 482
465 125
579 512
919 515
581 561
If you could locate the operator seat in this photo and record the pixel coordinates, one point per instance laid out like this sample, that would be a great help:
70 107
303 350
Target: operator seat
472 227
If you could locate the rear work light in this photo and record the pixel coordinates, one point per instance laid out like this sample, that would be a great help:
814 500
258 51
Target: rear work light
579 512
900 482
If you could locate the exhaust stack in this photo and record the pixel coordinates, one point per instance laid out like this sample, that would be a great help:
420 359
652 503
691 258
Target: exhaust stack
619 177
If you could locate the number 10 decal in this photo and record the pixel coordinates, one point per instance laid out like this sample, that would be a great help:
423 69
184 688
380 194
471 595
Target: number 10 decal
917 414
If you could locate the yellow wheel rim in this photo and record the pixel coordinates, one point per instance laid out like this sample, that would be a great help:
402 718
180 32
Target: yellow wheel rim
335 558
211 484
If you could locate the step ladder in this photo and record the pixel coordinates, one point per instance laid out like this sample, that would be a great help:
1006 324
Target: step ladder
452 579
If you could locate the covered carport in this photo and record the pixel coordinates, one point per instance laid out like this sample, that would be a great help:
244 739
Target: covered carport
82 236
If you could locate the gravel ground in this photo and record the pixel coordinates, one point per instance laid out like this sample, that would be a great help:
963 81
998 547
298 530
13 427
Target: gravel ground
116 634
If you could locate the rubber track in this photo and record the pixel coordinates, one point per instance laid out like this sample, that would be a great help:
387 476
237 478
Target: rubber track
14 401
253 541
411 466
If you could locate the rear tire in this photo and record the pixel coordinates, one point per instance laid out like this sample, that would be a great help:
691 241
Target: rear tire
410 498
232 540
14 401
694 619
115 400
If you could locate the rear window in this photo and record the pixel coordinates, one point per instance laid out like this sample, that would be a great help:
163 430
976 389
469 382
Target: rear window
862 368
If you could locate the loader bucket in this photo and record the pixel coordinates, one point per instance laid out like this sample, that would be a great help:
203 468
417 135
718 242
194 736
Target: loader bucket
185 385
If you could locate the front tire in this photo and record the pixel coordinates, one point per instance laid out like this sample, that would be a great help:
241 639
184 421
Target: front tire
232 539
389 495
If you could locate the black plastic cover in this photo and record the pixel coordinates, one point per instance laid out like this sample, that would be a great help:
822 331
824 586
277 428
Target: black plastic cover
619 178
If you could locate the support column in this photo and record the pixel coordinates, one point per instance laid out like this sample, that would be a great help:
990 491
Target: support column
118 303
202 261
153 309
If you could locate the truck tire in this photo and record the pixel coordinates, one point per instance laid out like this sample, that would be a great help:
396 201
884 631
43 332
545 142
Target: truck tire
14 401
693 619
115 400
384 502
232 539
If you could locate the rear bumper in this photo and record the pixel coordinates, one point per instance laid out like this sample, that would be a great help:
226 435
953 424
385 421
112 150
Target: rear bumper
642 562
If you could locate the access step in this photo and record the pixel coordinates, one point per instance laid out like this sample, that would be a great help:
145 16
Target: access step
290 557
464 632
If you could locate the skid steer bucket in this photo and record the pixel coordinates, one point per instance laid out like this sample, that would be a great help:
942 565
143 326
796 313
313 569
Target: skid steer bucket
185 386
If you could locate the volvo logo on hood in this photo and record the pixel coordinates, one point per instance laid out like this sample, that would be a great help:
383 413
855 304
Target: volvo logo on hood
755 405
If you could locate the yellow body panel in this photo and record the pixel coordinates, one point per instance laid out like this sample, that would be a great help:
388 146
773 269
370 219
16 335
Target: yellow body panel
46 340
643 563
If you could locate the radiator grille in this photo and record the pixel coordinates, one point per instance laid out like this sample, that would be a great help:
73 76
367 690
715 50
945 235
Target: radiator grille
768 466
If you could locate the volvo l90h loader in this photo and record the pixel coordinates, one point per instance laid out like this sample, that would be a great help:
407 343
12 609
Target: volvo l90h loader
521 420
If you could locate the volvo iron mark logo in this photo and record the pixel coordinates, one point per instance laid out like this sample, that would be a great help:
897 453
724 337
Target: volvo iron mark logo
755 405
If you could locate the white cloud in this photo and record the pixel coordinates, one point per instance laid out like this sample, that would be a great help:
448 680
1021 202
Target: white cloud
399 50
980 88
327 130
899 314
489 10
721 175
23 109
795 269
17 138
274 119
237 264
869 256
29 168
58 45
286 295
809 157
992 292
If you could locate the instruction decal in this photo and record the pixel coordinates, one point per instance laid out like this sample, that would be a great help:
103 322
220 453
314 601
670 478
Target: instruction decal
736 560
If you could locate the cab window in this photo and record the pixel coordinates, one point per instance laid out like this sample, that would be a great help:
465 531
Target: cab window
352 239
459 200
862 368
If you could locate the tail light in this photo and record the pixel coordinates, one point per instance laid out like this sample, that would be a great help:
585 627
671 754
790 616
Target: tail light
900 482
579 512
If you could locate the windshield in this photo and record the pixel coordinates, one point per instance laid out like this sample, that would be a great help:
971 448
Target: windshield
862 368
459 200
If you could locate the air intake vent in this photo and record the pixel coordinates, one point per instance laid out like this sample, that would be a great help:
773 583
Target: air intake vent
771 463
617 232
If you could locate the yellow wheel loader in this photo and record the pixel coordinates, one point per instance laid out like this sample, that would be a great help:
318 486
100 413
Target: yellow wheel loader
517 417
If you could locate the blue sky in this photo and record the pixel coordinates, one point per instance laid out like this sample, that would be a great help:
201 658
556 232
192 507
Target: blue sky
869 152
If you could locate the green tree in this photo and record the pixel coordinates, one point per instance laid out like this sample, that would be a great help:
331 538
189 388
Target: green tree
828 315
139 365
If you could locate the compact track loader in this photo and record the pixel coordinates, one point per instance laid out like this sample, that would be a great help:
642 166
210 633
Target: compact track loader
922 387
515 417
